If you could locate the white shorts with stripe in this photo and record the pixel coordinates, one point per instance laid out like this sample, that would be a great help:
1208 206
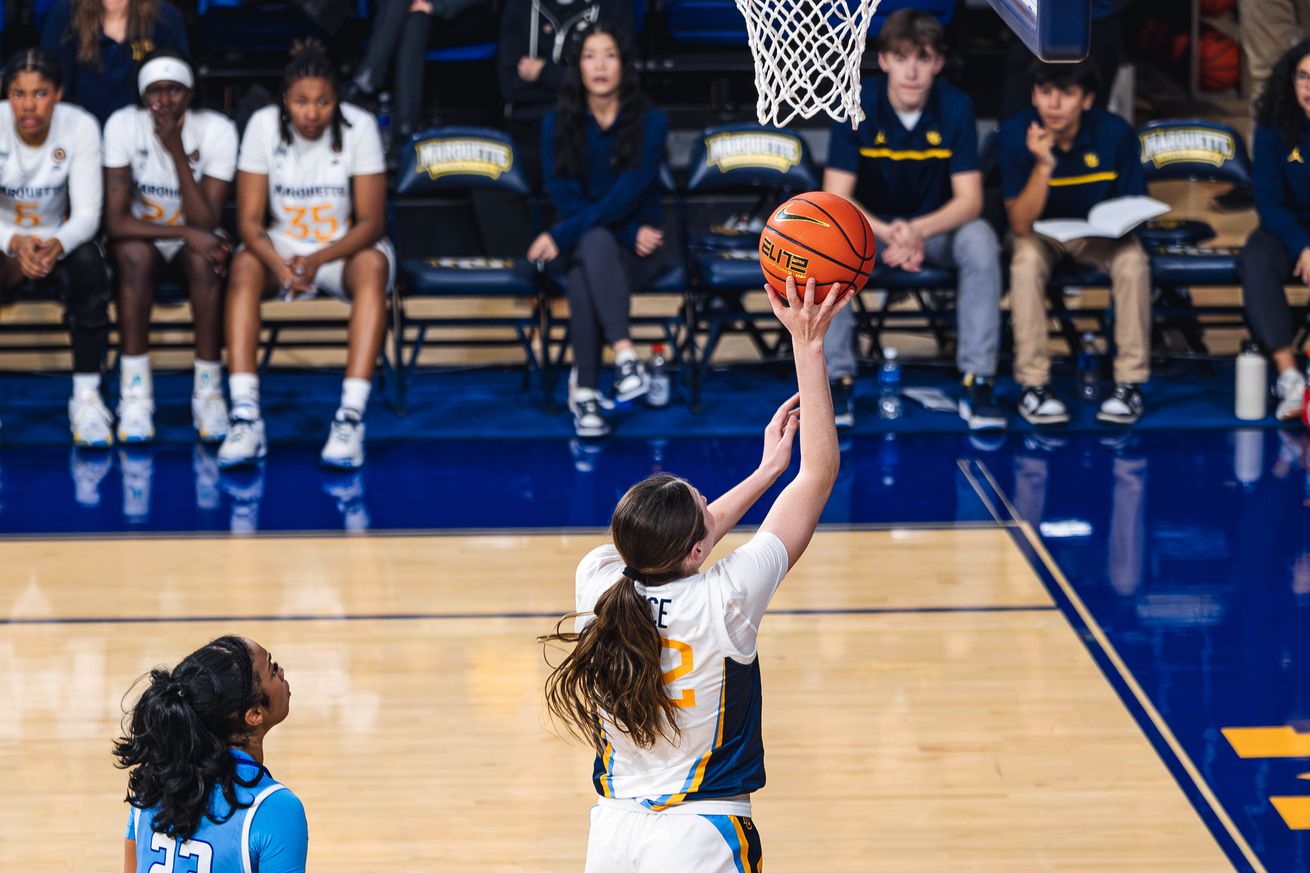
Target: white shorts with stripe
625 839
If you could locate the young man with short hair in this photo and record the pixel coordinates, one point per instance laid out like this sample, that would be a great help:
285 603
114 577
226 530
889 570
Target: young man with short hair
912 168
1058 160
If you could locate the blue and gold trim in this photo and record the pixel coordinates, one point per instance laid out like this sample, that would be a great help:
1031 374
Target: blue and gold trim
743 840
907 154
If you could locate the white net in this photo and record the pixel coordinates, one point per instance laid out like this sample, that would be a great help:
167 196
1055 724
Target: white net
807 57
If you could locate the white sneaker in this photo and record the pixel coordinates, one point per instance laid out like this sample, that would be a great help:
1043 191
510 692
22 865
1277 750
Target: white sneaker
244 443
587 418
136 419
631 380
344 449
1291 395
90 422
209 415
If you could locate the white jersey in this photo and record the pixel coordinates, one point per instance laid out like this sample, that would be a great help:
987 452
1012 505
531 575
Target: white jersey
708 623
208 138
309 185
54 190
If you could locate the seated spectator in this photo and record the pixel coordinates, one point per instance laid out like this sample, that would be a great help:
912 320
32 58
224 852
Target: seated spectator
537 38
401 32
601 152
912 168
1058 160
316 165
168 170
1278 251
101 44
50 199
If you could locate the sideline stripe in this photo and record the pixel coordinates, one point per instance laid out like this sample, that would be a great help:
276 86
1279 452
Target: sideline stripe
463 616
1125 675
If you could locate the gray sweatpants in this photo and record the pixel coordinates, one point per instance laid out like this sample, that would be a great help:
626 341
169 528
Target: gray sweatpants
971 249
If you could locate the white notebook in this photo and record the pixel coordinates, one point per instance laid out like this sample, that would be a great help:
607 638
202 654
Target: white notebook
1111 219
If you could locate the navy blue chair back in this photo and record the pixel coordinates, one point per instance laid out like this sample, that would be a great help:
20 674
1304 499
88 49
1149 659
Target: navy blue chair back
1193 149
456 159
737 156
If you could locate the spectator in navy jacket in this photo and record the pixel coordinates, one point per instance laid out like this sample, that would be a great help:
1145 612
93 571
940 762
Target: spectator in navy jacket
1058 160
1279 249
102 43
601 152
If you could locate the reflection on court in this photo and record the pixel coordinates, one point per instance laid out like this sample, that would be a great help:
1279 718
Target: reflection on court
978 736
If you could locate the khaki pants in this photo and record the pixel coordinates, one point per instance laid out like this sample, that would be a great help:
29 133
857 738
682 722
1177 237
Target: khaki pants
1130 272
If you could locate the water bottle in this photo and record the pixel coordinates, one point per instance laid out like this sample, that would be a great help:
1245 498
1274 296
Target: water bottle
1251 389
1089 369
889 386
658 396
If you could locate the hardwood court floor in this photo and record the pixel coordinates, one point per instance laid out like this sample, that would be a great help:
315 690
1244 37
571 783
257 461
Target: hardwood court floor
897 741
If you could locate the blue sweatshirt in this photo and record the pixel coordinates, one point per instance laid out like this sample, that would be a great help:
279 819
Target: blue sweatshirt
103 89
1282 186
622 200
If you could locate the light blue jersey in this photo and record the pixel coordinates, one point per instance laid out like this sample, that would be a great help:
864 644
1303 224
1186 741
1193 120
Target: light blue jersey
269 836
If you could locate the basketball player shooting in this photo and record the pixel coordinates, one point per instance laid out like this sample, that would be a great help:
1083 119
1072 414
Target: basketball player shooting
663 678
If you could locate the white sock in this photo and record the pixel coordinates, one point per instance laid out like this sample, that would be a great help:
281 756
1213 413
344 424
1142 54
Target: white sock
245 390
354 394
85 384
134 376
624 356
208 378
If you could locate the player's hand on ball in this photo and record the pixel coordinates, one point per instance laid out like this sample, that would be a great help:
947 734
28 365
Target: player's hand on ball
805 320
779 437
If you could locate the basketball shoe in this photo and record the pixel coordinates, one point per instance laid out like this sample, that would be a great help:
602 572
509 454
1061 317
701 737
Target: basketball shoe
90 421
244 443
344 449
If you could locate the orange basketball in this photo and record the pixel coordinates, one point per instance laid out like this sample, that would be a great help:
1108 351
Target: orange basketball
1220 62
816 236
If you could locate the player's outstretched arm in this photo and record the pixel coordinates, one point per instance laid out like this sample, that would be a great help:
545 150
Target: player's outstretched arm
779 437
795 513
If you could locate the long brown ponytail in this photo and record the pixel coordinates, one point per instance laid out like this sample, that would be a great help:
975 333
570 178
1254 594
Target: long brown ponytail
614 667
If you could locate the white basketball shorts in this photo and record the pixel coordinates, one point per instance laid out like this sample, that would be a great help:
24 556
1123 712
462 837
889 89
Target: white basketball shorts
630 841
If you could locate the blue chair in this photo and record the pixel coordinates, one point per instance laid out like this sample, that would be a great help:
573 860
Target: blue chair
1191 150
440 254
747 162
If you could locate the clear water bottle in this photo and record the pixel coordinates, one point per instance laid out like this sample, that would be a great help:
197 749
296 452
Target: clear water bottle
889 386
658 396
1089 368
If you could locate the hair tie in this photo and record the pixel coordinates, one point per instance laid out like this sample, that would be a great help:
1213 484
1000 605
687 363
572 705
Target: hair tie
633 574
176 690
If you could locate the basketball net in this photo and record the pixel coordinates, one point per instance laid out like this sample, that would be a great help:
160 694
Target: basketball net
807 57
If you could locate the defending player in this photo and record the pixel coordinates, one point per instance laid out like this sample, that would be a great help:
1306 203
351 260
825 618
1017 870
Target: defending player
664 677
50 199
168 170
316 165
201 796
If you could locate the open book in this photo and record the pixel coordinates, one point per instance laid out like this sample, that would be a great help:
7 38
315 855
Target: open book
1111 219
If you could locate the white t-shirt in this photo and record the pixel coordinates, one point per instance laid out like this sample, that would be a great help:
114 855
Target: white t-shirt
309 187
55 190
709 623
209 139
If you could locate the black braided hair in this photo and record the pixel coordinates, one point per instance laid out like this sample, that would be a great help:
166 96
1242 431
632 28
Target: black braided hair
310 60
178 737
34 60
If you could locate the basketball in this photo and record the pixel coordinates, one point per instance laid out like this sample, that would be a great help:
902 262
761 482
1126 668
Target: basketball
1220 63
817 236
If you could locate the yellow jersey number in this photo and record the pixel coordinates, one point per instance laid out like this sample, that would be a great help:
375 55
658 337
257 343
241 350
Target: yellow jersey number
325 227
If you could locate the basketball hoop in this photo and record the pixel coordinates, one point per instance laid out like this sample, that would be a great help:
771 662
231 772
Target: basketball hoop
807 57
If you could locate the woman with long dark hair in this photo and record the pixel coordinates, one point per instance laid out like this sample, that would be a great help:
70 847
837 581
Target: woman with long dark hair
101 45
168 171
601 151
200 794
1278 251
51 193
663 678
316 165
